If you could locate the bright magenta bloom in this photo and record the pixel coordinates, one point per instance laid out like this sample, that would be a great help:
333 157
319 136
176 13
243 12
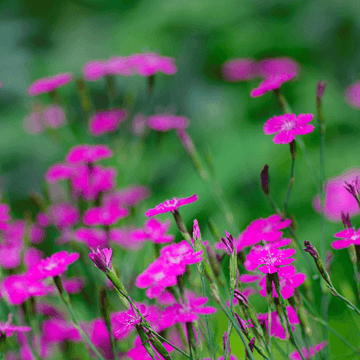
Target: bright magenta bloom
138 352
105 215
59 172
170 205
307 352
32 256
4 216
239 70
269 257
52 266
148 64
36 234
155 231
58 330
8 329
289 280
106 121
264 230
352 95
277 66
287 126
166 122
100 337
64 215
88 154
94 70
271 83
337 198
91 237
102 258
126 321
49 84
348 237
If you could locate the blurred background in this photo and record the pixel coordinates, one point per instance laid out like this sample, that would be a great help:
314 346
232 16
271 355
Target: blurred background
40 38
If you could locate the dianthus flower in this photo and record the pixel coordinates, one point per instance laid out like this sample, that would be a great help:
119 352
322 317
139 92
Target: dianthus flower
287 126
32 256
170 205
352 95
36 234
271 83
4 216
58 330
138 352
268 258
104 215
166 122
124 238
155 231
64 215
106 121
126 321
276 328
337 198
139 125
59 172
348 237
100 337
52 266
128 197
94 70
289 280
7 329
88 154
91 237
102 258
264 229
48 84
239 70
239 244
277 66
307 353
148 64
42 220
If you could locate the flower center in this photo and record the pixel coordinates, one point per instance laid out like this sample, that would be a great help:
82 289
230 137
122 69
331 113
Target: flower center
287 125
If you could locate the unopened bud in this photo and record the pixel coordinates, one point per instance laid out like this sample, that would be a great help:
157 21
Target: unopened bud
196 231
320 89
311 250
102 258
264 177
251 346
225 340
346 220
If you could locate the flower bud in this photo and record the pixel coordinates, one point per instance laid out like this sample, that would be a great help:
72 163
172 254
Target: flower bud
102 258
264 177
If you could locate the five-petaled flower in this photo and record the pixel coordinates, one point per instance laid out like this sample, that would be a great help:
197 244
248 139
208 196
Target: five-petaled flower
272 82
348 237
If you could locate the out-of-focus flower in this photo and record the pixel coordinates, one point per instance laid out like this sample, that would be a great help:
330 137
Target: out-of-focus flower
348 237
277 66
170 205
100 337
91 237
166 122
138 351
139 124
287 126
102 258
239 70
128 197
271 83
32 256
88 154
36 234
58 330
105 215
307 353
148 64
123 237
42 220
106 121
155 231
59 172
48 84
8 329
4 216
64 215
352 95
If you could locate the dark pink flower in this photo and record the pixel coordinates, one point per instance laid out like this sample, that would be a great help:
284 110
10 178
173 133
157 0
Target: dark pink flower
36 234
277 66
49 84
239 70
155 231
42 220
32 256
73 285
59 172
170 205
148 64
307 353
88 154
289 280
91 237
105 215
4 216
287 126
52 266
352 95
126 321
48 309
271 83
64 215
348 237
8 329
57 330
166 122
100 337
263 230
103 122
128 197
94 70
138 352
102 258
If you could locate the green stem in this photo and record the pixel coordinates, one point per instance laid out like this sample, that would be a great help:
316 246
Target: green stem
292 175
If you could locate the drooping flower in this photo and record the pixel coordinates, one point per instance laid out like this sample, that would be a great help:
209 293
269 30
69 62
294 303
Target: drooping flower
289 280
8 329
170 205
107 121
166 122
104 215
155 231
128 197
239 70
352 95
307 353
277 66
287 126
348 237
48 84
52 266
102 258
148 64
271 83
64 215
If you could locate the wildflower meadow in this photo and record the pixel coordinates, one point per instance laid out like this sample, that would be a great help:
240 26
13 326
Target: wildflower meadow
148 235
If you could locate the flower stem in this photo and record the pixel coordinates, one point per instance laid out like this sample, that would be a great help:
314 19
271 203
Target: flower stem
292 175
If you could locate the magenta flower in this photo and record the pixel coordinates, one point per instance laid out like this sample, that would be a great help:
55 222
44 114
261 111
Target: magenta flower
289 280
348 237
268 258
94 70
287 126
4 216
307 353
148 64
271 83
155 231
73 285
42 220
126 321
64 215
7 329
170 205
59 172
88 154
276 328
106 121
277 66
120 65
48 84
102 258
100 337
264 229
138 352
124 238
337 198
166 122
128 197
36 234
352 95
52 266
57 330
32 256
104 215
239 70
91 237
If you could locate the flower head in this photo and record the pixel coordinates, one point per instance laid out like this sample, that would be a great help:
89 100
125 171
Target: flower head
91 237
104 215
58 330
239 70
106 121
352 95
49 84
348 237
287 126
277 66
271 83
170 205
128 197
102 258
166 122
88 154
148 64
155 231
126 321
64 215
8 329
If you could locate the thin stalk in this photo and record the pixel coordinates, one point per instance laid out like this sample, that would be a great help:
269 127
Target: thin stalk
292 175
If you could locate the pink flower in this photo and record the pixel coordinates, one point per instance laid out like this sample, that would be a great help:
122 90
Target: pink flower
289 280
287 126
102 258
73 285
120 65
170 205
8 329
49 84
277 66
91 237
59 172
166 122
106 215
32 256
307 352
58 330
42 220
337 198
348 237
123 237
36 234
4 216
106 121
139 125
94 70
54 116
276 328
88 154
269 257
271 83
128 197
64 215
126 321
52 266
138 352
100 337
155 231
352 95
148 64
264 229
249 278
239 70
